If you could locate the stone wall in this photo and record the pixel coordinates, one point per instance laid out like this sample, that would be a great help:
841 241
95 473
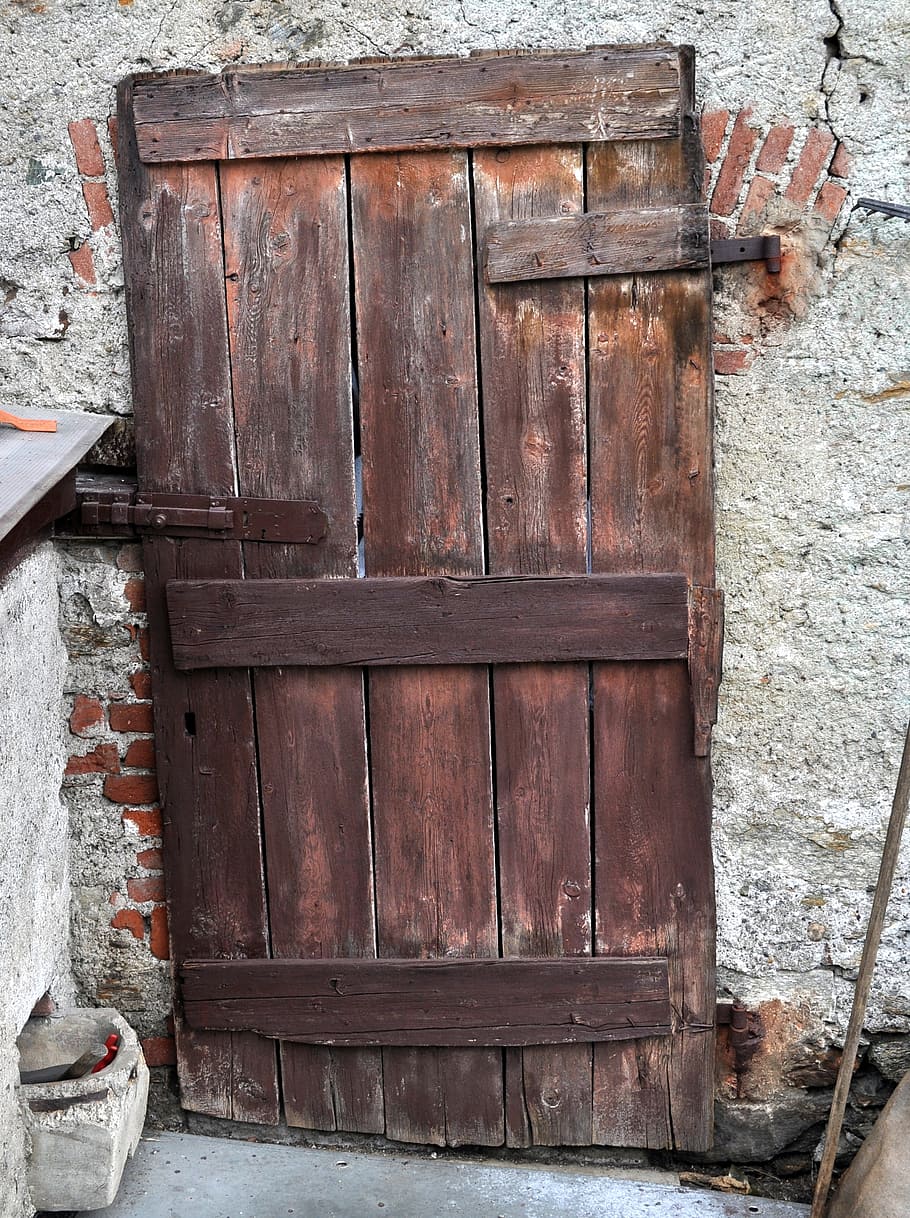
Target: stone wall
806 109
34 884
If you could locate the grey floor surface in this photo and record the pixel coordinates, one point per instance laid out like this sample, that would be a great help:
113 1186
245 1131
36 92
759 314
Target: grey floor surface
182 1176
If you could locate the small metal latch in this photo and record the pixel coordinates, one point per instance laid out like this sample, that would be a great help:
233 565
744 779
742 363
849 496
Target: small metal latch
216 518
748 249
116 506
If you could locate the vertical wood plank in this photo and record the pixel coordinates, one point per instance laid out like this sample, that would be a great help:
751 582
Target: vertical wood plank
429 730
652 510
171 229
286 261
532 343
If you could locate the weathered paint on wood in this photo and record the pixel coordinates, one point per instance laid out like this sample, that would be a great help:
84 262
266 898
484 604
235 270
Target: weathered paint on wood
170 223
532 348
706 647
433 816
286 251
607 94
432 1002
652 510
380 622
618 242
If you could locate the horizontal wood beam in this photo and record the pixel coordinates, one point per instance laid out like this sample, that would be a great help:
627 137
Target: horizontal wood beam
603 94
496 620
599 243
431 1002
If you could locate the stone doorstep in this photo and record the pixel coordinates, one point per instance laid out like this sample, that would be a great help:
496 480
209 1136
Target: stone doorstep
176 1174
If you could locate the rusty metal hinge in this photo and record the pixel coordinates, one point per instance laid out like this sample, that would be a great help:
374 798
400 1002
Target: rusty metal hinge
748 249
122 510
745 1035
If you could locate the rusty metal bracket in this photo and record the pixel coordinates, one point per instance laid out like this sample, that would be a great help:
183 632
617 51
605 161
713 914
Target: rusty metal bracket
748 249
745 1035
113 507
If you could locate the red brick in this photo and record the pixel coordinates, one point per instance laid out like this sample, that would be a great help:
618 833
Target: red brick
129 557
774 150
82 260
830 200
131 717
159 1050
726 363
811 161
86 713
84 138
146 821
103 759
720 230
840 162
113 133
145 888
713 130
98 204
159 940
131 788
150 859
141 682
140 755
733 169
134 591
131 920
144 643
760 191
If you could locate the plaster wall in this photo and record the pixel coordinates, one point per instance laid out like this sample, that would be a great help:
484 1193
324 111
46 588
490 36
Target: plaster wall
34 880
813 407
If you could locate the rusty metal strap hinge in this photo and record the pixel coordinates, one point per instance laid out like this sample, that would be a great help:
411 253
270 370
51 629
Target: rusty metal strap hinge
748 249
243 519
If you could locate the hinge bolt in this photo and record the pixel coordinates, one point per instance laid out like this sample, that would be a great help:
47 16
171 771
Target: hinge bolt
158 520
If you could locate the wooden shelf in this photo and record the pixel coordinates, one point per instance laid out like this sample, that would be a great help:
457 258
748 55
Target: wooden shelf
37 473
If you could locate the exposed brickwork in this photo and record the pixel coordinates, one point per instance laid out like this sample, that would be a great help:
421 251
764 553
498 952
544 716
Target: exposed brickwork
132 788
132 717
134 591
84 139
733 168
774 150
145 888
713 130
103 759
146 821
89 159
87 713
150 859
811 161
159 940
141 681
131 920
776 194
140 755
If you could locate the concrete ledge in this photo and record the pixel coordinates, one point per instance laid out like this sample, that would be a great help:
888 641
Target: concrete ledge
179 1174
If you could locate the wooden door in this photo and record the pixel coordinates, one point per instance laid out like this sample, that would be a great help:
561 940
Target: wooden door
425 345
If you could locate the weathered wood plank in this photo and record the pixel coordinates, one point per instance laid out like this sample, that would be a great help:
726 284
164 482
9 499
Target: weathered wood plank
380 622
532 343
607 94
706 649
286 261
432 1002
434 853
204 724
652 505
619 242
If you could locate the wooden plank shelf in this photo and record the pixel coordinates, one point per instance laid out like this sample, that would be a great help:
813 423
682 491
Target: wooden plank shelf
431 1002
37 482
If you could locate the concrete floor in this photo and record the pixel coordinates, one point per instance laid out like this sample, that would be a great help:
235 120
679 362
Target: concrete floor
180 1175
